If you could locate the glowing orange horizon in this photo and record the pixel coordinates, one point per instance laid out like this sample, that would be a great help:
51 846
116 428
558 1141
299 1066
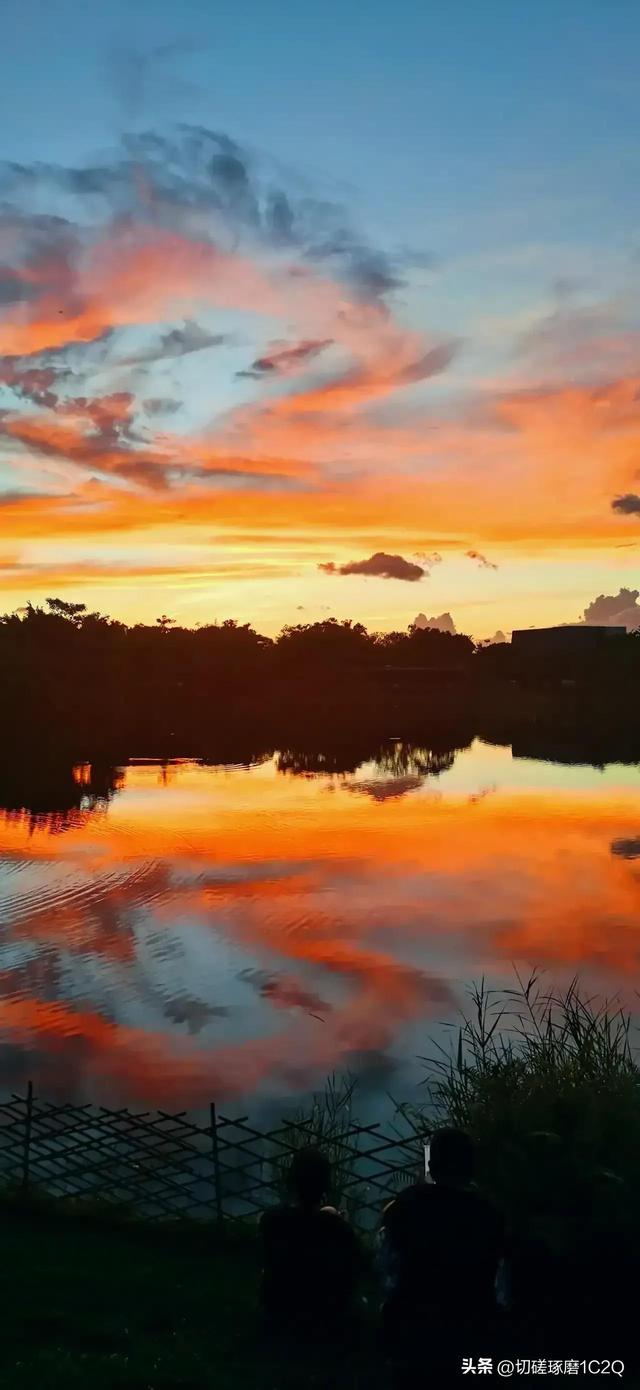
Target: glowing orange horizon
343 459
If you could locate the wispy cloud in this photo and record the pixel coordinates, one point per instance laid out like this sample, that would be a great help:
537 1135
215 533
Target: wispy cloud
282 359
118 276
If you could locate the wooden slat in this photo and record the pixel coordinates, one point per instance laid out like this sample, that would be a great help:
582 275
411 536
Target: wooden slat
168 1166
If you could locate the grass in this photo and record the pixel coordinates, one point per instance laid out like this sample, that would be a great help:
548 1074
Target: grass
133 1307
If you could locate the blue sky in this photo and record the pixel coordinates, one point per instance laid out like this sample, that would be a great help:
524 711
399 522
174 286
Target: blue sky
431 114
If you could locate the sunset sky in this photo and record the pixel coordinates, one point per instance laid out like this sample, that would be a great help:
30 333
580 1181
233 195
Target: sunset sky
283 288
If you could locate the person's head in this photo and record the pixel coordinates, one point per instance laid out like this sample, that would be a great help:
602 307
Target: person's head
310 1177
452 1157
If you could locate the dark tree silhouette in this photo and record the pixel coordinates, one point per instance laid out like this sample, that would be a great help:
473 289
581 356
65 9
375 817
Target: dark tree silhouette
79 682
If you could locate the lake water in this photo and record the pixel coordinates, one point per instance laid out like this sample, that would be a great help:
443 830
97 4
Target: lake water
178 932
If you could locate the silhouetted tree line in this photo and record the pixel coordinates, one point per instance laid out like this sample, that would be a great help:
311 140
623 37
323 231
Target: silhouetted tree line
87 680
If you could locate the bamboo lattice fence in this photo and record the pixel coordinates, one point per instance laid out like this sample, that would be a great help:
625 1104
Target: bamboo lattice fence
166 1166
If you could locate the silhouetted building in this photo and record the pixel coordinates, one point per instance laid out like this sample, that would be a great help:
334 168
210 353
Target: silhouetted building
565 656
570 639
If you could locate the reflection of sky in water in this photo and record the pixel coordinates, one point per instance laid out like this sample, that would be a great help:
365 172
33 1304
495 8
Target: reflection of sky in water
221 932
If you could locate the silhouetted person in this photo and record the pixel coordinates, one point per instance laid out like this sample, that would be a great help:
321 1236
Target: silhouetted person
442 1245
311 1256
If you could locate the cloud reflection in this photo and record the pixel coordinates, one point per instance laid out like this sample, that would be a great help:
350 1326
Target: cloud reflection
235 931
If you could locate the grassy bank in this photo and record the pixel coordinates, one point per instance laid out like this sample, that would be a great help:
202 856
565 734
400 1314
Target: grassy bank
133 1307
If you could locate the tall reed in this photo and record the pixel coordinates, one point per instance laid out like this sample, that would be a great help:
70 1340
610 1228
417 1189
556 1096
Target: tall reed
548 1083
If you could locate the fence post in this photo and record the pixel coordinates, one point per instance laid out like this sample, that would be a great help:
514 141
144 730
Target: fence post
216 1162
27 1138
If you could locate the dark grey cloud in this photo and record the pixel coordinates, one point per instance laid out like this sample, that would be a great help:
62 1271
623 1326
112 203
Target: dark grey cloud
202 178
34 384
373 272
282 357
627 505
183 1009
379 566
161 405
280 218
40 255
44 377
177 342
235 192
614 610
31 232
435 361
627 849
9 498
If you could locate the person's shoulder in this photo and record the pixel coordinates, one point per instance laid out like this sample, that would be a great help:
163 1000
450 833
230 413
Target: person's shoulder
485 1210
481 1201
336 1233
417 1192
275 1219
333 1221
416 1198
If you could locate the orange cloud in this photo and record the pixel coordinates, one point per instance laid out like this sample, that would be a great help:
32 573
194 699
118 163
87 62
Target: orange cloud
134 277
337 456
